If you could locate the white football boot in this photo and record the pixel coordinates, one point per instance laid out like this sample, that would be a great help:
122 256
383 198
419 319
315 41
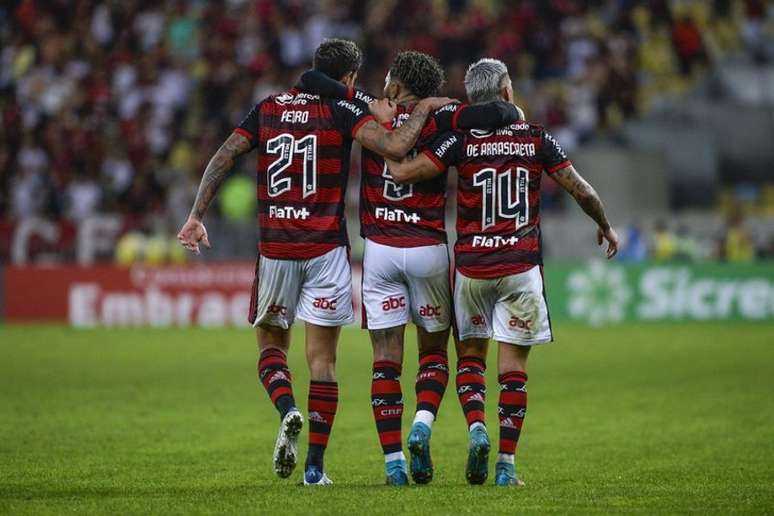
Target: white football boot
286 447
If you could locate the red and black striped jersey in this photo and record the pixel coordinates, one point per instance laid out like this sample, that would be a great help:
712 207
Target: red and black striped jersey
304 144
404 215
498 195
414 215
407 215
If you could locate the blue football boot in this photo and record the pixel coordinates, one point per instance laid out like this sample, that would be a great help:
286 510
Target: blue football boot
419 447
396 473
477 469
505 475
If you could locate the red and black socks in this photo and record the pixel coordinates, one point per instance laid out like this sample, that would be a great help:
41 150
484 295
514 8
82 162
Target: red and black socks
432 378
471 389
275 376
387 405
512 408
323 401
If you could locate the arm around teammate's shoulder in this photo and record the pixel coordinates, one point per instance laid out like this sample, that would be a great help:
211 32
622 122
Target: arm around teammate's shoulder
443 152
487 116
397 143
414 169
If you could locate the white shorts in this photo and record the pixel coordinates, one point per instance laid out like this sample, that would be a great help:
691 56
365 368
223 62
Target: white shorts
406 283
511 309
317 290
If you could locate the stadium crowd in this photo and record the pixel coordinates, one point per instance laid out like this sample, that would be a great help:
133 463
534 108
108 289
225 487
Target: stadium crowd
115 107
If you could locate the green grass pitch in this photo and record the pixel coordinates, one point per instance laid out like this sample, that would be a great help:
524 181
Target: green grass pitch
648 418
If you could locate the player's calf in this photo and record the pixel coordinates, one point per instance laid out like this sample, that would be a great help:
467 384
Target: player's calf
432 378
323 402
387 407
471 390
511 409
275 376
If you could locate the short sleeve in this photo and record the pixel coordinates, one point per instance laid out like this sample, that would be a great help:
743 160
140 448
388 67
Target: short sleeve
551 153
446 117
486 116
248 127
350 115
446 150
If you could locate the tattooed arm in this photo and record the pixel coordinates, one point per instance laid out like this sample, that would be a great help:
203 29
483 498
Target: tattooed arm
397 143
588 199
193 231
413 169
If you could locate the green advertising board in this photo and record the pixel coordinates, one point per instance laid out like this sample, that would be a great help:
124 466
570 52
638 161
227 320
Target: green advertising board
600 292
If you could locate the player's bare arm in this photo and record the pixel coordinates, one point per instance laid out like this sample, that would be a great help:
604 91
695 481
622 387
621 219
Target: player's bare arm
588 199
396 144
413 169
193 231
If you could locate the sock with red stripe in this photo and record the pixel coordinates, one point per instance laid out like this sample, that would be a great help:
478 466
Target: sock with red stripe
387 405
511 409
275 376
323 400
432 377
471 389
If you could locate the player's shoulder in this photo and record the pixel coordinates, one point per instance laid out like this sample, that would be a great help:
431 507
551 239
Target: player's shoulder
292 97
354 106
446 143
450 108
519 129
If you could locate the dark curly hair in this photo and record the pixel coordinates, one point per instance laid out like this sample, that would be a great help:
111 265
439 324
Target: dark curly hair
419 72
337 57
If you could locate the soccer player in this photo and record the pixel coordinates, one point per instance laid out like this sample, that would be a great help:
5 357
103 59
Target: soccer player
498 290
303 270
406 261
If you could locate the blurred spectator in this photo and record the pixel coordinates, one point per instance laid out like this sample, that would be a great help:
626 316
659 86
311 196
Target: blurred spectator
689 248
688 44
738 244
664 243
634 244
116 106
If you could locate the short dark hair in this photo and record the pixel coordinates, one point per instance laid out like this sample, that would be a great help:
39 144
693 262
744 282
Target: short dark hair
419 72
337 57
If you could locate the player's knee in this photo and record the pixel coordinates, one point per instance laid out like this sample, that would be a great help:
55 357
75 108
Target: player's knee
472 348
272 337
322 369
512 358
429 342
392 353
388 344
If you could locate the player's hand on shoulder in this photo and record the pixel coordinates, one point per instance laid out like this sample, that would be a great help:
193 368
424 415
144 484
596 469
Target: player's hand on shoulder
192 234
433 103
383 110
611 237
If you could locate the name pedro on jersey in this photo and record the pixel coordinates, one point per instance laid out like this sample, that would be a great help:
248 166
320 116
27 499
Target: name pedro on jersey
295 117
396 215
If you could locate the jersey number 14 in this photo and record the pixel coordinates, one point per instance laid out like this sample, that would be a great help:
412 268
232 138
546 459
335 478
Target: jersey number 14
501 198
